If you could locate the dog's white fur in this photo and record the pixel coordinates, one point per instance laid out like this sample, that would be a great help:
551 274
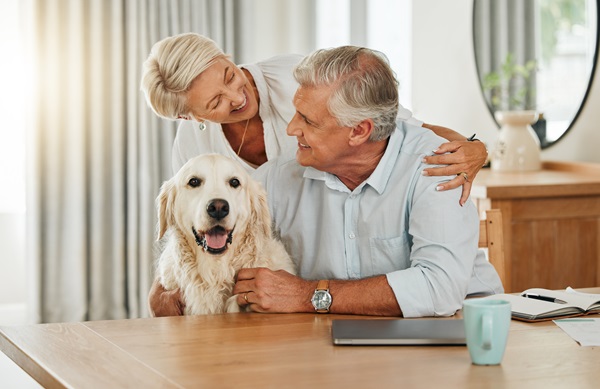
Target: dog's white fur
206 280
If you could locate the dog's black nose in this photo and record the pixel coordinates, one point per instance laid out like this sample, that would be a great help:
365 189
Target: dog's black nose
218 208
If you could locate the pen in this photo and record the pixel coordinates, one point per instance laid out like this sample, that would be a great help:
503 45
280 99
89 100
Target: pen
544 298
472 138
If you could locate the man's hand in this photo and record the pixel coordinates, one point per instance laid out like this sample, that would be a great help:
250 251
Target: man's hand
460 157
265 290
164 302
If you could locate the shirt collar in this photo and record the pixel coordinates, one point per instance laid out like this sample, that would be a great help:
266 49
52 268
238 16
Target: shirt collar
331 180
377 180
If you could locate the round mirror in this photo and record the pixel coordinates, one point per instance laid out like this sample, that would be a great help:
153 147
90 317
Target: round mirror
538 54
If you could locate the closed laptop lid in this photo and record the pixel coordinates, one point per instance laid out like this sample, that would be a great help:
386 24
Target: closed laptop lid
398 332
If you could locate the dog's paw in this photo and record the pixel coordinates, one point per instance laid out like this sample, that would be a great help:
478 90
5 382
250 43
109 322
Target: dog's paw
231 306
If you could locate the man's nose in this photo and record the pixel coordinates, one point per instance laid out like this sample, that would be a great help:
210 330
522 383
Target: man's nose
292 128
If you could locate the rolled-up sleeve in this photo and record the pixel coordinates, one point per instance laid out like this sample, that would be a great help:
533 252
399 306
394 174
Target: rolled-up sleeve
444 246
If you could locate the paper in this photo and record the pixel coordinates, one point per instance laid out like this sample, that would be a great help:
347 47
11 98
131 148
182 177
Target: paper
573 291
584 331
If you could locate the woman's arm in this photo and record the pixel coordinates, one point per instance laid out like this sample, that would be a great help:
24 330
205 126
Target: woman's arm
461 155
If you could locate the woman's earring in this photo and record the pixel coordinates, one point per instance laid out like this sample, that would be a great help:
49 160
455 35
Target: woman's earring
201 126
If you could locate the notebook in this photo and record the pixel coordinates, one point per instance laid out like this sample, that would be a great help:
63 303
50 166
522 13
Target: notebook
539 304
398 332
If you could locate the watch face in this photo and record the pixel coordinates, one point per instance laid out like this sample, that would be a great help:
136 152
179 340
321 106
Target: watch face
321 299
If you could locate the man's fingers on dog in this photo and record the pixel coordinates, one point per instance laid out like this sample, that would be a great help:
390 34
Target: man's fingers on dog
246 274
243 299
245 296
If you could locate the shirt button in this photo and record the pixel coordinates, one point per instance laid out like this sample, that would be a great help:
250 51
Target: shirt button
352 236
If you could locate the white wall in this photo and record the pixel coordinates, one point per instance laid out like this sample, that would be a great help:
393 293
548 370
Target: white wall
446 90
272 29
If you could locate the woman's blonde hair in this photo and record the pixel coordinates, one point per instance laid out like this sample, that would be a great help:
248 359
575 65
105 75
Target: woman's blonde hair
172 65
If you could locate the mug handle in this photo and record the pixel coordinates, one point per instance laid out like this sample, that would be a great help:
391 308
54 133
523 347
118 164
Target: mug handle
486 330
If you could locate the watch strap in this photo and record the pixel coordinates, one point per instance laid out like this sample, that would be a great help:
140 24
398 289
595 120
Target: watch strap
323 285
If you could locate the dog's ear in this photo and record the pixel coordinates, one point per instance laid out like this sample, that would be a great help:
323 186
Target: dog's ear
259 209
164 207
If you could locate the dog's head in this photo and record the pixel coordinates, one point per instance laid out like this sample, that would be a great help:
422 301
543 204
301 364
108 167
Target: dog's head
209 199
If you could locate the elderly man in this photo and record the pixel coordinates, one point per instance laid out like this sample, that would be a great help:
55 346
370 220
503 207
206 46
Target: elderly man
369 232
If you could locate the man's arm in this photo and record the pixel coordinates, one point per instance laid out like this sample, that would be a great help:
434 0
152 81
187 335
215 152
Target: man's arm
164 302
460 155
270 291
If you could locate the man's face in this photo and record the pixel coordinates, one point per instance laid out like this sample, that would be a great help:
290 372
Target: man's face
322 143
222 94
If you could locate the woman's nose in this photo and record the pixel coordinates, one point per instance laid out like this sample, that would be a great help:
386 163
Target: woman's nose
237 97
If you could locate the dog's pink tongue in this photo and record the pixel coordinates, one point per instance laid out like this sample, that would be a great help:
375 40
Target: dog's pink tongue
216 239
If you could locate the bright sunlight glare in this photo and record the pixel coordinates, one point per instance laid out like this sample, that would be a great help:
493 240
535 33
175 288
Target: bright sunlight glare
16 76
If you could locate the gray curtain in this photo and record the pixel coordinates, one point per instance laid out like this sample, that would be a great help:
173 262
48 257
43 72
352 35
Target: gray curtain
96 153
501 27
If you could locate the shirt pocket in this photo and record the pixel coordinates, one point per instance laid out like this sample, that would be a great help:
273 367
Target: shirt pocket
390 254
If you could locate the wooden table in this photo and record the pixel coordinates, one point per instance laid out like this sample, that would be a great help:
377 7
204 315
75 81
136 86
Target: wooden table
252 350
551 222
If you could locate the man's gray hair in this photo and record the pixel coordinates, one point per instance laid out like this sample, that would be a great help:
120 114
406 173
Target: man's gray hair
364 86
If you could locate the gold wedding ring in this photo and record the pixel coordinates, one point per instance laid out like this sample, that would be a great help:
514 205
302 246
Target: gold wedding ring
246 297
464 175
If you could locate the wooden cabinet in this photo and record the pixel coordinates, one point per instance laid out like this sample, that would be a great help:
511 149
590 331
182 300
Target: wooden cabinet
551 222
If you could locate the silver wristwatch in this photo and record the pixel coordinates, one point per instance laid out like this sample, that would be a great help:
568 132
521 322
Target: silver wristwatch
322 299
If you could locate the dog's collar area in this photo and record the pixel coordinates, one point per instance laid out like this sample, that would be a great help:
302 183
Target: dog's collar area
216 234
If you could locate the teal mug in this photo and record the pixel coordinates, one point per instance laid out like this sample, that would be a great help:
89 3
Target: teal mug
486 329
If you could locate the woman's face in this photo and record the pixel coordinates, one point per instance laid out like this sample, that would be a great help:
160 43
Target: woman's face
222 94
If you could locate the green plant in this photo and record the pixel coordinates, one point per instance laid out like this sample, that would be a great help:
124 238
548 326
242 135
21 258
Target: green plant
510 88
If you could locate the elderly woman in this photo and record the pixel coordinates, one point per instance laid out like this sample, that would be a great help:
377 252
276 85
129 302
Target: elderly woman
243 111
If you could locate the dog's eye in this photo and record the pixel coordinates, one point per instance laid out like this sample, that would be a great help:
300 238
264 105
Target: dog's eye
194 182
234 182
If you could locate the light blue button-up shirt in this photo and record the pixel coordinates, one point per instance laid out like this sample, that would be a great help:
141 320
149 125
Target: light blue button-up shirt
394 223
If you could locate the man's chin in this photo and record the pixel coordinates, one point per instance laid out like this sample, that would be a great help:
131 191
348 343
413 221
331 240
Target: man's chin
301 158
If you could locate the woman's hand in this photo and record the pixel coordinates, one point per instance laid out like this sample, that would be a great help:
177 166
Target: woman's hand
164 302
463 158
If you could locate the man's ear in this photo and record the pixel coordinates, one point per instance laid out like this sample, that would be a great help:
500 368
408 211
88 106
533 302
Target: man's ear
361 132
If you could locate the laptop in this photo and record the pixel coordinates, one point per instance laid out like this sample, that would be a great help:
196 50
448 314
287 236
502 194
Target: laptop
398 332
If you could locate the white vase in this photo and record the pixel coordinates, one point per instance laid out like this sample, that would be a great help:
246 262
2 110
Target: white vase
517 148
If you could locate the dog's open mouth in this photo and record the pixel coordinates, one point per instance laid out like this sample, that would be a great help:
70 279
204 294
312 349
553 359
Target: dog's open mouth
215 240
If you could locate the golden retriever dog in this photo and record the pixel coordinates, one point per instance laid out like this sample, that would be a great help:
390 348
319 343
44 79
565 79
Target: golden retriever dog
214 220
